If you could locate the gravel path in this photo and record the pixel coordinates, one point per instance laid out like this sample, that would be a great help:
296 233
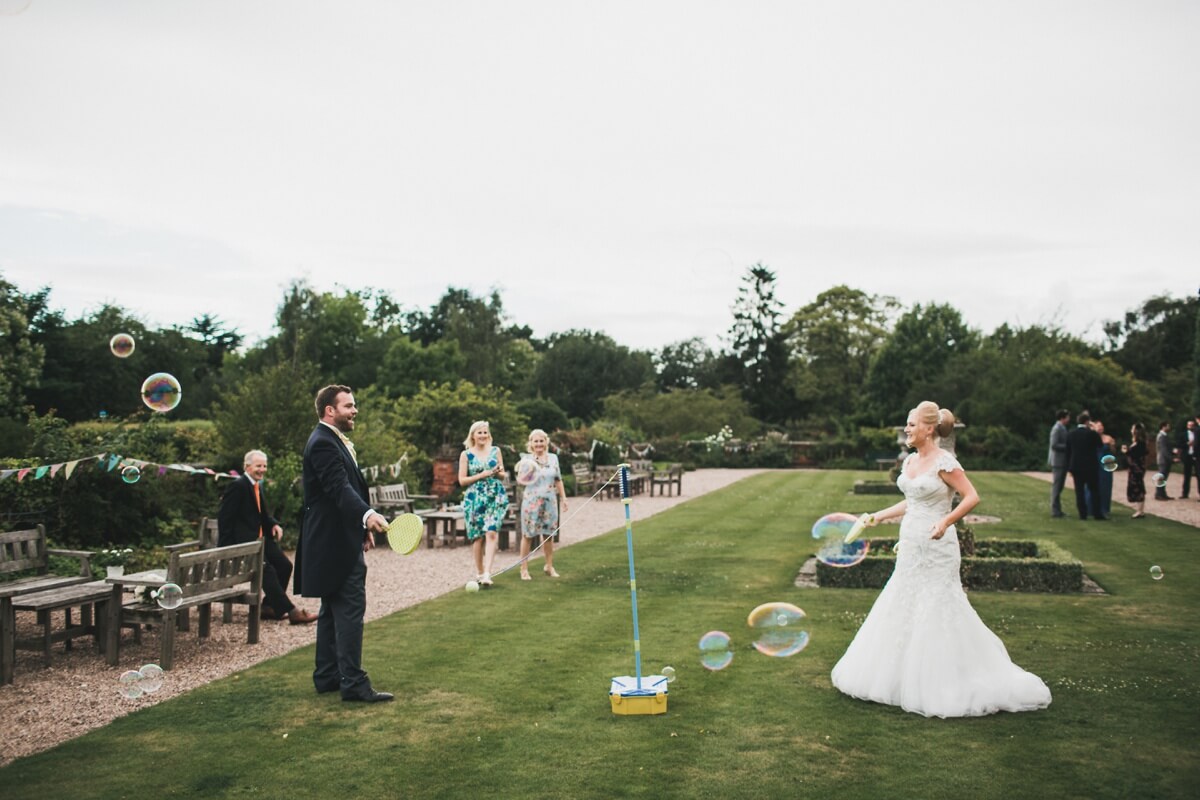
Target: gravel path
1180 509
78 692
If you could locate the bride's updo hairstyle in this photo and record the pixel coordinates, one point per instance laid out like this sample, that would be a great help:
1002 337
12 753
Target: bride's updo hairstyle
941 419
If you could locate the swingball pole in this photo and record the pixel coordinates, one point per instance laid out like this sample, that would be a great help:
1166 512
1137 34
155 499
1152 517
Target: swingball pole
623 482
626 695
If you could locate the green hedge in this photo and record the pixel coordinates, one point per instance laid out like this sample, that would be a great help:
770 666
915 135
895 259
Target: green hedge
998 565
876 487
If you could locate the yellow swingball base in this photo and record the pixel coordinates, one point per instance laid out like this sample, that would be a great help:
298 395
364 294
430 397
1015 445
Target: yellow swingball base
626 698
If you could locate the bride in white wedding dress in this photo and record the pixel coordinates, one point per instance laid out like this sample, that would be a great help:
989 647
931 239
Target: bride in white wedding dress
923 647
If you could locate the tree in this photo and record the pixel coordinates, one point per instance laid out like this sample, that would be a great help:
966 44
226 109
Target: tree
688 364
1156 337
479 328
1016 379
442 414
682 412
82 379
832 341
270 410
21 358
580 367
758 343
408 364
345 336
544 414
914 356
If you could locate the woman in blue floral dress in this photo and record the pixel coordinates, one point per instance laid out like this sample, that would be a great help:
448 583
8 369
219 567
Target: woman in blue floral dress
480 470
544 492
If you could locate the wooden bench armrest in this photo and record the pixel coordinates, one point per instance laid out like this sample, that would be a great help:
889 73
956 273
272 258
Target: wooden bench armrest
423 496
171 548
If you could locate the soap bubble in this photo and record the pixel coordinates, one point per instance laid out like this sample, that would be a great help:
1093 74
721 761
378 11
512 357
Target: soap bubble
169 596
669 674
131 474
1160 480
161 392
777 627
715 650
130 684
472 586
1109 463
151 678
833 550
1156 572
121 345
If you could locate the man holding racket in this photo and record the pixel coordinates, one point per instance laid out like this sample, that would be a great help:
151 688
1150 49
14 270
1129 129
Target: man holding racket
243 517
337 528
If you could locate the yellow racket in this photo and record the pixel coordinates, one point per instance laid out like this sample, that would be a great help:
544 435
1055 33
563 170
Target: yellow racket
857 529
404 533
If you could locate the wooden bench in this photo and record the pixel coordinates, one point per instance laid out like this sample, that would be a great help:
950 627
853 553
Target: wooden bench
394 497
584 478
26 551
667 480
209 576
208 533
85 596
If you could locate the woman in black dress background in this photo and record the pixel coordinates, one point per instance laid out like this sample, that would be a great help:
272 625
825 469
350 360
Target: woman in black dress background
1135 455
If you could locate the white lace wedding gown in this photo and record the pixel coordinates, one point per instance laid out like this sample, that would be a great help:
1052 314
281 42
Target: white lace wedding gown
923 647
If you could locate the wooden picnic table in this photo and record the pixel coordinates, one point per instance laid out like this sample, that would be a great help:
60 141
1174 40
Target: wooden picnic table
447 519
8 614
154 578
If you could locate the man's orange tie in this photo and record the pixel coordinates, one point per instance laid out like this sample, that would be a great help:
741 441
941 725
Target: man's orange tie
258 502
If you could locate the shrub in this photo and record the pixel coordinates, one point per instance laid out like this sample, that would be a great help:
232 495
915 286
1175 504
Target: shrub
998 565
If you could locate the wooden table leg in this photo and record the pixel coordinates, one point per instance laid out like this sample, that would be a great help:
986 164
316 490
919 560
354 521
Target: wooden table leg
8 640
113 633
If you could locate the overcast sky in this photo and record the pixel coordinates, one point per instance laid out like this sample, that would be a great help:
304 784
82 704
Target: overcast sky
605 165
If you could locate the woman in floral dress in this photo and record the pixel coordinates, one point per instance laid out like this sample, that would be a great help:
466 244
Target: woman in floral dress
480 470
541 501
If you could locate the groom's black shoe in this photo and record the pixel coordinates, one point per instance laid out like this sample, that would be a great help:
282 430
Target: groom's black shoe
368 696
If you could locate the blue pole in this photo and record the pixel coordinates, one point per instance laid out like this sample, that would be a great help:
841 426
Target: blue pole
623 481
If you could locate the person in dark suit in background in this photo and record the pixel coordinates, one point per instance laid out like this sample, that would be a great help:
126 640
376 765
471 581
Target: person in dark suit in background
243 517
1163 457
1058 461
337 530
1083 444
1187 454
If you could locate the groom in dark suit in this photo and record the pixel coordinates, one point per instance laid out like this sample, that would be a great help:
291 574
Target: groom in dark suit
243 517
338 528
1083 461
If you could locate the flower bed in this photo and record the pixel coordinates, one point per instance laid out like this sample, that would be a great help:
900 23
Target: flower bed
998 565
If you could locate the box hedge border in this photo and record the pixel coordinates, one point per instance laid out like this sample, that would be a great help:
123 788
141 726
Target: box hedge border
998 565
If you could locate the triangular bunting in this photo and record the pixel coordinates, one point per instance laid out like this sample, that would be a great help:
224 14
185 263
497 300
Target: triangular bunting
21 473
71 465
113 460
54 468
40 473
4 473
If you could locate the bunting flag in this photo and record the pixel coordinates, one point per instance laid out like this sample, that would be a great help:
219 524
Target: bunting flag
108 462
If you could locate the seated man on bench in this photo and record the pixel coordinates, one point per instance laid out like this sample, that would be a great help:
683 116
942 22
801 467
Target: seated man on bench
243 517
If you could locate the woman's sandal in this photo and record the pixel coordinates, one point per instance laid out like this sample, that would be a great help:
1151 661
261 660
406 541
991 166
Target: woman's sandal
550 571
525 576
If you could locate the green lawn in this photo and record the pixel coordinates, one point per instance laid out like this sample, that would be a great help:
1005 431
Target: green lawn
503 693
